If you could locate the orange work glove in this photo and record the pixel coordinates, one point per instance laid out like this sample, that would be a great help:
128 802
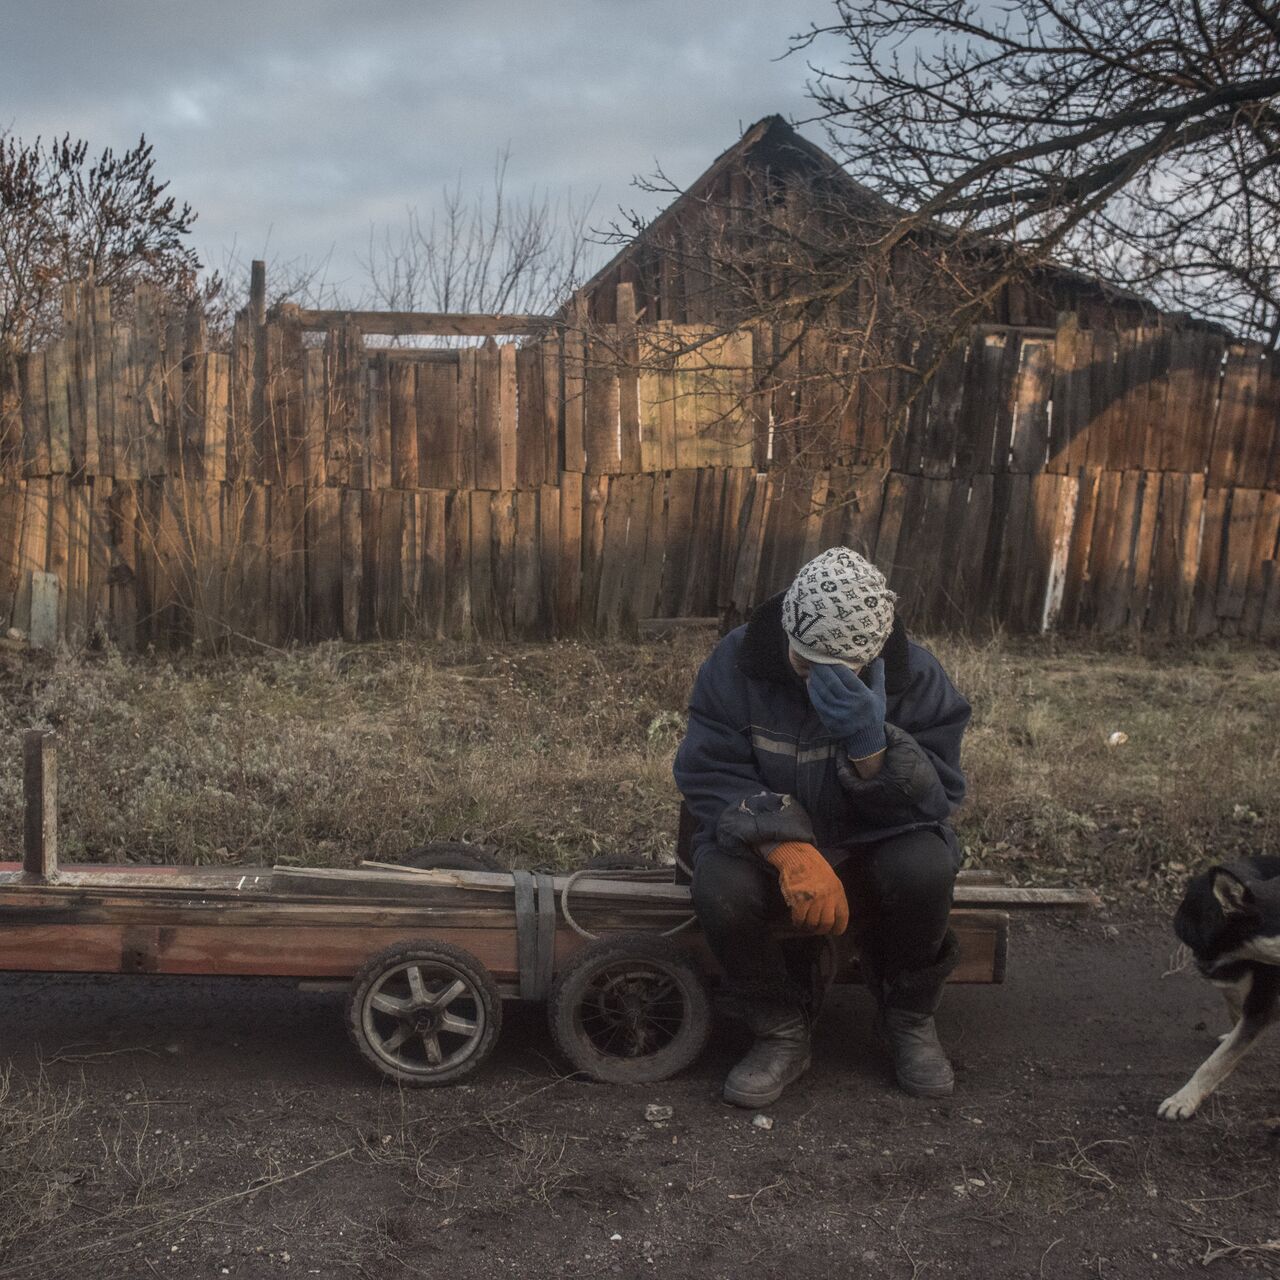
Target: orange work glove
810 888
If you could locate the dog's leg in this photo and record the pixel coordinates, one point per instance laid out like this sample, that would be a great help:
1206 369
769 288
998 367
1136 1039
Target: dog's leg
1260 1008
1234 994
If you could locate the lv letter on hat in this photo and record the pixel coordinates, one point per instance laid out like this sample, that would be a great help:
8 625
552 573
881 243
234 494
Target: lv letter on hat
838 609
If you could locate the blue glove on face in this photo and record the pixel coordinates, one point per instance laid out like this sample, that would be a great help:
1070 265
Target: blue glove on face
850 709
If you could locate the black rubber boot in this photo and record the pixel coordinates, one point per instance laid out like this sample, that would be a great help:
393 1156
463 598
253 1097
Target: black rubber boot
918 1060
911 998
779 1056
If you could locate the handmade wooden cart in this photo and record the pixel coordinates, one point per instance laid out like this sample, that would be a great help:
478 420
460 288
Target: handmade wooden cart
429 955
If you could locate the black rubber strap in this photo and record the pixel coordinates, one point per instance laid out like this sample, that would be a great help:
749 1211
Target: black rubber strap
526 933
546 935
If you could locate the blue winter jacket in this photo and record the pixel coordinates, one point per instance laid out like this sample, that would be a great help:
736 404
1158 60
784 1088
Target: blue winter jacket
757 766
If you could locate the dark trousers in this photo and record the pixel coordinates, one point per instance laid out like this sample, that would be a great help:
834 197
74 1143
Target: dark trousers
899 893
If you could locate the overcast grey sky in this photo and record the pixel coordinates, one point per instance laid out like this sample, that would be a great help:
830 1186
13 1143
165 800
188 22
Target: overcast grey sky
293 127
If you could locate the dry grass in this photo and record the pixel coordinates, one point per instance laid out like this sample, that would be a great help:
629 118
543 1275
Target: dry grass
38 1170
554 752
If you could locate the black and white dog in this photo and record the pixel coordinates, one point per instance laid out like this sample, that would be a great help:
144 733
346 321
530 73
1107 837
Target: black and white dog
1230 919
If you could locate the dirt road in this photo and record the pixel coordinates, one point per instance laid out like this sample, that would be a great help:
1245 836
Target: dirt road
227 1128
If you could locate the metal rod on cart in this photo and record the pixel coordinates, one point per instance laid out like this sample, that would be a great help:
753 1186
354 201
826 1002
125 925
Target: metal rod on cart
40 793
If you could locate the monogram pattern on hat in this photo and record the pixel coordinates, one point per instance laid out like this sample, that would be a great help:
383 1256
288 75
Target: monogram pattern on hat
838 609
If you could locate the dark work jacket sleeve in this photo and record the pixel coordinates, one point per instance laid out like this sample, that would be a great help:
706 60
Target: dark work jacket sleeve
716 771
920 779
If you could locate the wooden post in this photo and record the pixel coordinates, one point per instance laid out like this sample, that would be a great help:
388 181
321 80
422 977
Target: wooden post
40 792
258 292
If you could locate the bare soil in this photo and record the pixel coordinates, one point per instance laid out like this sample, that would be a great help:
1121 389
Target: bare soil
223 1127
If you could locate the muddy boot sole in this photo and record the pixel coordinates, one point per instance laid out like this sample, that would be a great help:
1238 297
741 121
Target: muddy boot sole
941 1089
746 1097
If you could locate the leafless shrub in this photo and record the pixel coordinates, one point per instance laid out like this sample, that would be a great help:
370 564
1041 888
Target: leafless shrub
481 252
66 215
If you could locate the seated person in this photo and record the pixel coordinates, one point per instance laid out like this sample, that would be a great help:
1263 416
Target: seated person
822 764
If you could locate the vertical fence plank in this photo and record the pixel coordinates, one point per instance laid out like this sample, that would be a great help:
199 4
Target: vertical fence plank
1157 421
104 378
123 580
12 497
1239 391
549 560
467 430
241 463
1102 393
569 569
575 395
703 564
600 426
438 425
389 584
530 429
148 380
971 588
77 585
1129 390
628 380
1030 444
1204 610
379 407
682 488
404 424
552 406
217 375
352 564
324 562
207 572
435 585
939 441
34 552
655 549
1188 553
1114 578
85 367
613 554
508 447
488 473
751 525
60 544
98 607
1233 578
483 595
371 533
58 407
1070 395
1260 435
314 392
1263 553
525 595
457 610
504 561
595 497
35 415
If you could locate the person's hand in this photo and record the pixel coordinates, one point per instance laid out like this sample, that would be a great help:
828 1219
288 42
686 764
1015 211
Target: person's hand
810 888
851 710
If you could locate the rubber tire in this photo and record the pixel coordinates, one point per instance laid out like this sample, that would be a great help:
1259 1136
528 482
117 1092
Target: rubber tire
468 967
452 855
575 978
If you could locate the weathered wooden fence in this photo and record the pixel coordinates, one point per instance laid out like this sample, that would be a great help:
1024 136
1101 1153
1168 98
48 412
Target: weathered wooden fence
302 485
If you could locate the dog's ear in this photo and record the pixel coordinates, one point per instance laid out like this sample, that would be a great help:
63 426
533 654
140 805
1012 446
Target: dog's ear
1233 895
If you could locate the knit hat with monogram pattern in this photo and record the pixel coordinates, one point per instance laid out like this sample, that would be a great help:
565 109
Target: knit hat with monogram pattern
838 609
